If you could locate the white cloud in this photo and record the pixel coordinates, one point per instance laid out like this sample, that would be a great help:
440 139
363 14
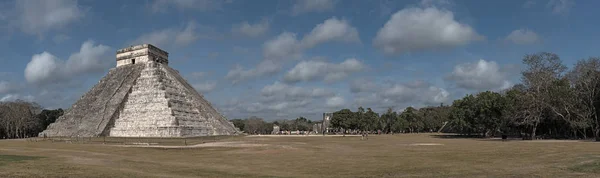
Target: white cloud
278 101
363 85
422 29
36 17
7 87
286 47
170 36
251 30
13 97
161 6
238 73
388 94
205 87
187 36
90 58
417 92
336 101
332 29
305 6
482 75
522 37
45 68
313 70
560 6
281 47
278 89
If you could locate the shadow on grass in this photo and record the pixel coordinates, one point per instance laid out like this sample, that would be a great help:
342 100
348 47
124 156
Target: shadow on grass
5 159
453 136
591 167
477 137
499 139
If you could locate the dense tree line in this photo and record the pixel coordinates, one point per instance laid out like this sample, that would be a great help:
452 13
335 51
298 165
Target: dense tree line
21 119
411 120
253 125
256 125
551 101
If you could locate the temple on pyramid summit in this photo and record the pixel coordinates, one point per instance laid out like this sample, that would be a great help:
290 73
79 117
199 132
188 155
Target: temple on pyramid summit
141 97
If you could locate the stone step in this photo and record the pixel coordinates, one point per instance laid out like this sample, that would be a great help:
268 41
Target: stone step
147 100
147 132
147 93
147 112
128 125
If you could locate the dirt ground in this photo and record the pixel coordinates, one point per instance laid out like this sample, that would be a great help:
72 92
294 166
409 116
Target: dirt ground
404 155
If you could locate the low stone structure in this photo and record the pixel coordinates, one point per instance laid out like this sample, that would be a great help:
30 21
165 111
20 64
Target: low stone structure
275 129
141 97
318 128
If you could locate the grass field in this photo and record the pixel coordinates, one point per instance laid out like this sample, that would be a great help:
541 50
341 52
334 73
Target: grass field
407 155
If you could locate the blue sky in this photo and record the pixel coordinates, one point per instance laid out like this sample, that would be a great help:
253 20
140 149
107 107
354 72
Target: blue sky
285 59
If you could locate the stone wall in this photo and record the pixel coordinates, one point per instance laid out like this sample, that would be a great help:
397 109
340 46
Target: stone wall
141 54
326 122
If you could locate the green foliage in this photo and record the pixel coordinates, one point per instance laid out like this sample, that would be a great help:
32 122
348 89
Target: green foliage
413 119
301 124
342 119
21 119
369 121
239 123
46 117
256 125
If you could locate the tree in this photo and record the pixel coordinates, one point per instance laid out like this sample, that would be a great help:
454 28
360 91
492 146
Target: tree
434 117
254 125
342 119
239 123
397 124
515 108
46 117
370 120
462 115
412 119
489 109
359 120
18 119
387 120
301 123
543 69
585 77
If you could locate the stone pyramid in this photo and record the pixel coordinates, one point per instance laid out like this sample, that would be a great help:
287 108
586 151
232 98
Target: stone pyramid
141 97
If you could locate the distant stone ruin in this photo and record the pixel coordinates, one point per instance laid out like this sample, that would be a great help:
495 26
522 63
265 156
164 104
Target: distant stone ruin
325 128
141 97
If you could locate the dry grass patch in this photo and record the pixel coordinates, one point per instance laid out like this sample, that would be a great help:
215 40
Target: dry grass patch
405 155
